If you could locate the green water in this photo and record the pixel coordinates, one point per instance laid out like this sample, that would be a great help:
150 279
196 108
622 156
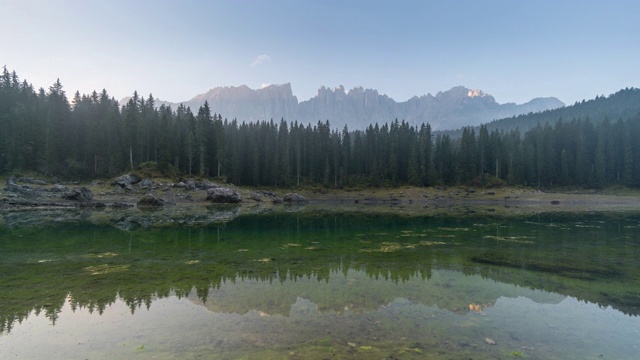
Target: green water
293 286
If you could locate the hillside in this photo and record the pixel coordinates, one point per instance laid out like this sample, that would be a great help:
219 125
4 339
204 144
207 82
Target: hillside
620 105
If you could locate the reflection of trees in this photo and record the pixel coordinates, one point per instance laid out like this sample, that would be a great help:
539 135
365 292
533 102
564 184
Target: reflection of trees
41 270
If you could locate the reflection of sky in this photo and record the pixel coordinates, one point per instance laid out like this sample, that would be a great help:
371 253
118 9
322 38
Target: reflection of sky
357 291
178 326
393 283
573 324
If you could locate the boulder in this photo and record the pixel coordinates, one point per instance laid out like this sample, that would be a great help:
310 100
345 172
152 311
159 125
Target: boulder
293 198
269 194
11 183
223 195
179 185
190 185
27 180
151 200
19 189
81 194
145 184
205 185
256 196
125 181
59 189
120 205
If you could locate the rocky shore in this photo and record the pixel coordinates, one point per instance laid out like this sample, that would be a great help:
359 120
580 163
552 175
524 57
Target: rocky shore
130 201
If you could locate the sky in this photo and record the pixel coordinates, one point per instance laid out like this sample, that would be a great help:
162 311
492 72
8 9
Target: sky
515 50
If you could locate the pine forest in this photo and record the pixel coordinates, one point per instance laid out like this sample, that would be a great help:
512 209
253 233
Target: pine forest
93 136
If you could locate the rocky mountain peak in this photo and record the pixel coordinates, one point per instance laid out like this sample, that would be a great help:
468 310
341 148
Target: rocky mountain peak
360 107
476 93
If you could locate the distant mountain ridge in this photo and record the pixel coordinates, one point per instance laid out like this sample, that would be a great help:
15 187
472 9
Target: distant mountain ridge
621 105
359 107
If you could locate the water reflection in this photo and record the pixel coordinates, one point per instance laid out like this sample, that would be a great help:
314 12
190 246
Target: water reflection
355 291
307 287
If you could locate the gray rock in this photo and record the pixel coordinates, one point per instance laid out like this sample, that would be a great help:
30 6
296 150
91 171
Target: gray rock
268 194
27 180
81 194
145 184
11 182
205 185
125 181
293 198
19 189
151 200
58 189
120 205
223 195
190 185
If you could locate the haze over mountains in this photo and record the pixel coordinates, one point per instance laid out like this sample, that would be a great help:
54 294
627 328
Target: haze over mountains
360 107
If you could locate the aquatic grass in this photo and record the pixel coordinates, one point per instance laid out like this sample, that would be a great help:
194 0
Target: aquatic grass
420 289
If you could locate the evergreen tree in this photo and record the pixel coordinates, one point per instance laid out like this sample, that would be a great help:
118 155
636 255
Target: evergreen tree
202 129
164 141
57 136
284 170
467 155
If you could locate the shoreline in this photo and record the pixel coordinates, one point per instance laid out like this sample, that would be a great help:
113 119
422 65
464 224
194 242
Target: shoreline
190 207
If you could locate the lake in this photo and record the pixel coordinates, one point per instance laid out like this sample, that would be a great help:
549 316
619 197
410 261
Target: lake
325 286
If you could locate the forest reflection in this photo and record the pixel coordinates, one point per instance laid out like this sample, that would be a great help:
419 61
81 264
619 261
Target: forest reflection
342 263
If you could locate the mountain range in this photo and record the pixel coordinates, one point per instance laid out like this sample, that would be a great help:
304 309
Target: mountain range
359 107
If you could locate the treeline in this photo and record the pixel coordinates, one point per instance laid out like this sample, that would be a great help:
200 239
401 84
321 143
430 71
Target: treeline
624 104
94 137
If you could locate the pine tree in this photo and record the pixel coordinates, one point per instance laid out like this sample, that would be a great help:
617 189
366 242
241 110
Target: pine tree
426 158
467 155
284 171
131 113
57 137
203 124
164 140
346 153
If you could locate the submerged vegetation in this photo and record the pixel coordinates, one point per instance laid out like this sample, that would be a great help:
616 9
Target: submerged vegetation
287 285
96 137
94 264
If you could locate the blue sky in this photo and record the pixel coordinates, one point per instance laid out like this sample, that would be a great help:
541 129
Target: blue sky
514 50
